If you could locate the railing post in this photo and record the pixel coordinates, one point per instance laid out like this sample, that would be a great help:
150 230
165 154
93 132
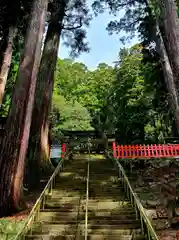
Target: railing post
142 224
114 149
136 211
148 235
43 202
63 150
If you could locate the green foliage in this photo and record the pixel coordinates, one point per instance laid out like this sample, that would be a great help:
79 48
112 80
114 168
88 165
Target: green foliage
134 15
76 19
68 115
83 93
90 88
137 107
9 228
129 99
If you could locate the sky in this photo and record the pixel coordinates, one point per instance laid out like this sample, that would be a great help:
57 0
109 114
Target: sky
103 47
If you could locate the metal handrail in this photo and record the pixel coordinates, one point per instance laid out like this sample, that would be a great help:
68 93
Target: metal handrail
40 201
87 191
139 209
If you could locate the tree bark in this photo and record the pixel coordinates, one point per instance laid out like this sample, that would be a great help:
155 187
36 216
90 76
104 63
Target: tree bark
6 61
167 46
14 147
168 76
170 23
39 145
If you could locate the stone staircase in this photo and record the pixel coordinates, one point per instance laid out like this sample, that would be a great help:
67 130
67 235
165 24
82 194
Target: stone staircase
110 215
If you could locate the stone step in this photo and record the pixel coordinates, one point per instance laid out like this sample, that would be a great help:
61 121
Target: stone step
69 176
82 237
108 193
92 205
77 187
61 208
66 210
72 216
76 183
106 185
107 175
71 229
63 193
91 222
72 191
110 214
70 173
107 204
101 172
62 200
112 197
92 200
104 192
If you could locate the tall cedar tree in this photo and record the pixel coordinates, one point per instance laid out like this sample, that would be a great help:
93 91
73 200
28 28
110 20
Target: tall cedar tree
67 19
38 142
13 21
15 143
170 22
6 62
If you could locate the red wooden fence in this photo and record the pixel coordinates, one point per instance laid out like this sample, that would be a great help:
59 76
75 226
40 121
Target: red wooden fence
63 150
145 151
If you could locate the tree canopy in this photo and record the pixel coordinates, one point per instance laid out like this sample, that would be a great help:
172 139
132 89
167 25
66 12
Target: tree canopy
129 98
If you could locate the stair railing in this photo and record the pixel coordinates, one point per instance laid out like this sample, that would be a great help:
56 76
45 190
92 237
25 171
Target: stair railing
146 225
40 203
87 189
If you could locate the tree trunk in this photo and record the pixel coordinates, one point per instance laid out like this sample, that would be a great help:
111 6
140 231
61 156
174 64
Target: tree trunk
14 147
173 100
167 47
170 23
3 44
168 76
39 146
6 61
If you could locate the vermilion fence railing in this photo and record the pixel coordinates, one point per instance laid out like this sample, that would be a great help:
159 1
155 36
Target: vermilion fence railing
63 150
145 151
